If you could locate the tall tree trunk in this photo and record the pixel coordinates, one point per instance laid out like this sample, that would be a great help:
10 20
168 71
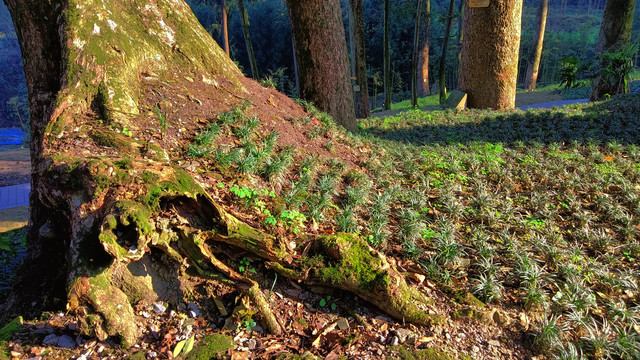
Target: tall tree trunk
246 33
387 58
490 50
424 54
443 59
359 58
321 54
414 60
295 67
536 51
615 33
114 223
225 27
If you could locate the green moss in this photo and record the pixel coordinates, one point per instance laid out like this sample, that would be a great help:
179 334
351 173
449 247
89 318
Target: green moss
463 297
355 265
113 140
110 242
426 354
111 221
133 213
125 164
140 355
306 356
181 183
211 347
10 328
149 177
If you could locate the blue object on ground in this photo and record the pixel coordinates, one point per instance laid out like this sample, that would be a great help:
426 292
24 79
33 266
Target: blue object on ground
11 136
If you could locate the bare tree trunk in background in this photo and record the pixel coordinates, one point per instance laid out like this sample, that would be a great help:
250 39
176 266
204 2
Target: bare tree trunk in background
387 58
321 54
615 33
246 32
442 74
295 67
424 55
536 52
414 60
490 50
225 27
359 58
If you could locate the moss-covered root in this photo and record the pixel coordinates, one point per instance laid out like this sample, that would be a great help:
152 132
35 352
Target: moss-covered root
114 315
351 264
270 321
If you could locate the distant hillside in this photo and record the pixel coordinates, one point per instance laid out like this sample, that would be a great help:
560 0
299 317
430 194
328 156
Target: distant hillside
13 90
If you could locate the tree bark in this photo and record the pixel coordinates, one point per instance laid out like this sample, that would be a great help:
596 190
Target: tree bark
321 55
102 239
414 60
246 33
424 54
442 74
225 27
615 33
536 52
490 47
387 58
362 106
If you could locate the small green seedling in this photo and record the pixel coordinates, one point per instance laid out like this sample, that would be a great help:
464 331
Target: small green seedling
326 301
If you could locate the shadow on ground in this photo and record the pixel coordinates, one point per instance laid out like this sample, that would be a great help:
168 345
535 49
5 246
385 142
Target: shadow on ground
616 119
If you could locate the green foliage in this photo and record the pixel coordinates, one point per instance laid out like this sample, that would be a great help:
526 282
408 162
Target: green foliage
568 71
616 67
250 195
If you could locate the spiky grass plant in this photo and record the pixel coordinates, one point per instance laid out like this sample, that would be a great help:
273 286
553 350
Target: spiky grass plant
568 352
448 250
626 342
346 221
548 332
598 339
487 288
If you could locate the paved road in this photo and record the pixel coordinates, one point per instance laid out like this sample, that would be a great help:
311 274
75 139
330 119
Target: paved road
14 196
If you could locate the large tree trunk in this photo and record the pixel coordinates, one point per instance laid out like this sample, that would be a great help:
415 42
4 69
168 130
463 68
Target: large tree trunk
490 47
424 54
321 55
615 33
356 27
388 87
442 73
114 222
246 33
536 52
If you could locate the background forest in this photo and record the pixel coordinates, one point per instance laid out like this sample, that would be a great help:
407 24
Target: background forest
572 30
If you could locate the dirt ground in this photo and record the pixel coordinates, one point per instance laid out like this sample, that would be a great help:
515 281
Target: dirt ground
13 218
15 166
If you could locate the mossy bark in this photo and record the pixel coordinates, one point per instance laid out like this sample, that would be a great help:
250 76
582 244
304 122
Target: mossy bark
101 241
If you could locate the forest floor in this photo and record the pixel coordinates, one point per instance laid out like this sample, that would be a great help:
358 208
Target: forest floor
534 212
